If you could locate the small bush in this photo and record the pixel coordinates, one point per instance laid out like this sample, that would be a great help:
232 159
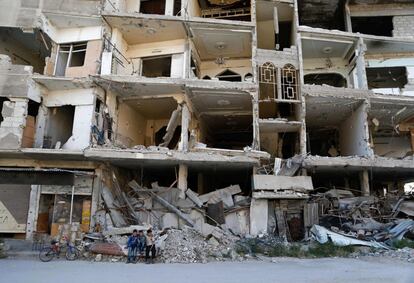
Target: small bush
329 250
293 250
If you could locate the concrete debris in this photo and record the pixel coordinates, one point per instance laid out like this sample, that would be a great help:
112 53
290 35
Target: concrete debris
224 195
194 197
190 246
116 215
365 220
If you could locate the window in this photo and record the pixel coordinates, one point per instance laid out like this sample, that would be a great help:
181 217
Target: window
268 81
289 83
156 67
70 55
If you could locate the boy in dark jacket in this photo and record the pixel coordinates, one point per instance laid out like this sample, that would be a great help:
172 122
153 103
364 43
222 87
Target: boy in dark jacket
132 246
141 242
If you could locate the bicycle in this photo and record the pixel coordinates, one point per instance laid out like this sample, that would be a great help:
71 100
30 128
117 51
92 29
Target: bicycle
48 253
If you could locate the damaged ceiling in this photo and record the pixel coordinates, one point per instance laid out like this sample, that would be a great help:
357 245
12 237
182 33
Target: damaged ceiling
390 113
223 110
145 30
329 111
223 41
154 108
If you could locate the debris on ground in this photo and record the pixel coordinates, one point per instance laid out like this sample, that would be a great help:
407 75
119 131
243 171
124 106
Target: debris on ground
190 246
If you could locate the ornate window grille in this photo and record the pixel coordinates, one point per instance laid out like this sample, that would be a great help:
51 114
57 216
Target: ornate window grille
289 83
268 82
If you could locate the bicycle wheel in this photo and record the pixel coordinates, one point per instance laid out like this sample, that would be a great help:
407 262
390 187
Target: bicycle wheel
71 253
46 254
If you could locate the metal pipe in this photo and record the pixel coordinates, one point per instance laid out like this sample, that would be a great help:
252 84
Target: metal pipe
71 205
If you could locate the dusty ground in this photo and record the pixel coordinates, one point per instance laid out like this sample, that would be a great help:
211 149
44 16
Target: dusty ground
280 270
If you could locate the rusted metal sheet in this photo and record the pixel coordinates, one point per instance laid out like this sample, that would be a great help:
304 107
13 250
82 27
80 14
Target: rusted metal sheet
107 249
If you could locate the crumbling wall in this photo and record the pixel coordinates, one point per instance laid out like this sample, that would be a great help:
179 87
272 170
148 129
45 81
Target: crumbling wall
14 113
403 26
19 54
92 61
25 13
131 126
396 146
83 102
14 78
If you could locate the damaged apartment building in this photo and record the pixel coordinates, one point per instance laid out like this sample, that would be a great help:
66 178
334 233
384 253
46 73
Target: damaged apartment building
230 111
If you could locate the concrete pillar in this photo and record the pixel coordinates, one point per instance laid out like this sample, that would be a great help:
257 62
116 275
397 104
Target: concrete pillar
347 16
169 7
256 131
185 122
258 216
360 65
96 196
364 180
182 180
33 211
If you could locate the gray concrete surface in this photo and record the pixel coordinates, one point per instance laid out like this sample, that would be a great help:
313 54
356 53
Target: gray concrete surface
282 270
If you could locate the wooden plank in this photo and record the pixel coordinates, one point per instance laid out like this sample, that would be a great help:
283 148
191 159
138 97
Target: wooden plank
281 223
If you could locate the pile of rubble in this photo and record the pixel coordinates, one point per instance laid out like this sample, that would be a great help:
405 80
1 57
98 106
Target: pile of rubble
190 246
364 221
404 254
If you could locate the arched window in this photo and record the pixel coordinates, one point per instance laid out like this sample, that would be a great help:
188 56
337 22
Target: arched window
267 81
248 77
289 83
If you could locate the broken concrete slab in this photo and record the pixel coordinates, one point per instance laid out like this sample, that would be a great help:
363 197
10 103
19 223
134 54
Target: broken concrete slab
169 220
258 216
224 195
194 197
116 216
276 183
238 221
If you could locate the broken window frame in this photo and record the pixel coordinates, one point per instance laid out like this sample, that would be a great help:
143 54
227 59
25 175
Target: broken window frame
143 59
70 53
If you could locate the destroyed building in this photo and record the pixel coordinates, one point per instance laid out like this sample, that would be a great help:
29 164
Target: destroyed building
200 112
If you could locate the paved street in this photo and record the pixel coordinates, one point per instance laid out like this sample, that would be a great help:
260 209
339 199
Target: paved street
283 270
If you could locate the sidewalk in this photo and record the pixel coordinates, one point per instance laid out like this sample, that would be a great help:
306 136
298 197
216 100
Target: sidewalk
15 248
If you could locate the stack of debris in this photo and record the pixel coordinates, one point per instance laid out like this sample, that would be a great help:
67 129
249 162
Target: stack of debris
190 246
365 220
188 227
